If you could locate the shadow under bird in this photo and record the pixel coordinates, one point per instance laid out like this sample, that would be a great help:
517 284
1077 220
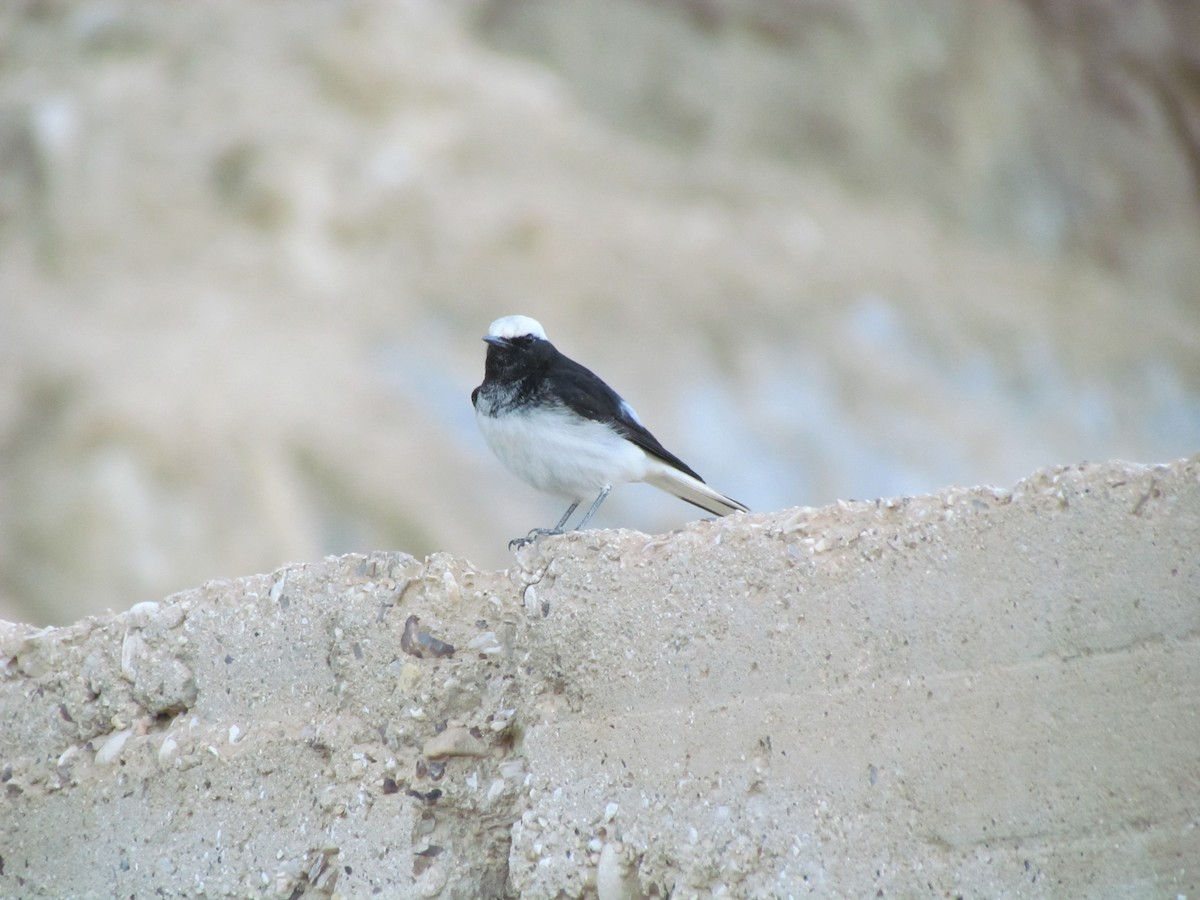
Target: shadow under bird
555 425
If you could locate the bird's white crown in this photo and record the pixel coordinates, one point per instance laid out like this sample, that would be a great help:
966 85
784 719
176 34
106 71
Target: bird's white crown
516 326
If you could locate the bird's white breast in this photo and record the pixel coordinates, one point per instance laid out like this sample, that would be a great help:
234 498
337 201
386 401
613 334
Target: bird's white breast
562 454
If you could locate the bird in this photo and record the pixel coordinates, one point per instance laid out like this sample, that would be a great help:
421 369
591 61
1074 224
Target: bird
557 426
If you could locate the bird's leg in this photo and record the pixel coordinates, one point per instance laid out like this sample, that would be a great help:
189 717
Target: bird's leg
587 516
538 532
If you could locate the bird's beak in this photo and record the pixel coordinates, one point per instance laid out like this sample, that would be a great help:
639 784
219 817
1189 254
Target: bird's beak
495 341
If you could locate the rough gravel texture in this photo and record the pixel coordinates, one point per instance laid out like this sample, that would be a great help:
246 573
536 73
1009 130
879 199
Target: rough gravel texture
980 693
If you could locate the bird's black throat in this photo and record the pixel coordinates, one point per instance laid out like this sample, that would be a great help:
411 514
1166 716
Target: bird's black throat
514 374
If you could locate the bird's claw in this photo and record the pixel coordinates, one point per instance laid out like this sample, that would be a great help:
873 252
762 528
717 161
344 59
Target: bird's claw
518 543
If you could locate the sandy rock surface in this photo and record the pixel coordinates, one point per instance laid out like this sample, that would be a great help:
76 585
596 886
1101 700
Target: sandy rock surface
981 693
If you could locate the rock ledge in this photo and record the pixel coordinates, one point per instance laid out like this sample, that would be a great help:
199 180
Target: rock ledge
982 692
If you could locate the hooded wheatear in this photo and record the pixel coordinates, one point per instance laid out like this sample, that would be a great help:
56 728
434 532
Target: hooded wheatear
557 426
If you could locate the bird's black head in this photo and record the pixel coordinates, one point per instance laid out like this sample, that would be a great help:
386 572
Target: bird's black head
517 345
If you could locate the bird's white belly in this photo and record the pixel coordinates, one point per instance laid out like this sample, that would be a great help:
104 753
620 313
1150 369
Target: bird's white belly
574 459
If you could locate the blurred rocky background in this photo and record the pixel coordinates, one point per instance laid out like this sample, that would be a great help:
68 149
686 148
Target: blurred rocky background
828 250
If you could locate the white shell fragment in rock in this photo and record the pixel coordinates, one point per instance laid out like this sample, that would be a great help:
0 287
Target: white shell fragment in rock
133 647
111 748
502 719
450 585
168 749
613 880
512 768
487 642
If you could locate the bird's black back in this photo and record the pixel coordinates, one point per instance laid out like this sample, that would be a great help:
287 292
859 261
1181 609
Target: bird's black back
526 370
585 393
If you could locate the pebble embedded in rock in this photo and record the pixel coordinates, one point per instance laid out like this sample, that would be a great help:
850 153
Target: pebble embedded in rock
454 741
422 644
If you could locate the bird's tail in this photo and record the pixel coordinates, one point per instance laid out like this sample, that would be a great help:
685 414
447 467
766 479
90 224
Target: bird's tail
693 490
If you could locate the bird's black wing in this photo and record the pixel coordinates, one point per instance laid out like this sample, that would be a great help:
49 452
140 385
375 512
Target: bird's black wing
583 392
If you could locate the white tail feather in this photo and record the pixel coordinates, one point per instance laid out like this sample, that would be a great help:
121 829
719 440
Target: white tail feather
685 487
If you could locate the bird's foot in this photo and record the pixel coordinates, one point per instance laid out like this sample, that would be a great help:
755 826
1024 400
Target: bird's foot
518 543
